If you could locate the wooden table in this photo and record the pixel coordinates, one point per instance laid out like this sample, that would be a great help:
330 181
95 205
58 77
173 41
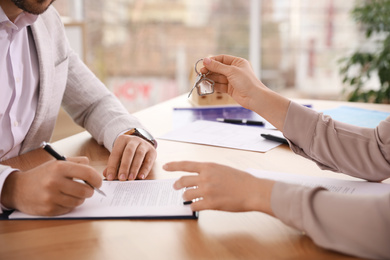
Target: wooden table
215 235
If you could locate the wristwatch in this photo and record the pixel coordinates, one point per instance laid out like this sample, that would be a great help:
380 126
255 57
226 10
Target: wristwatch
143 134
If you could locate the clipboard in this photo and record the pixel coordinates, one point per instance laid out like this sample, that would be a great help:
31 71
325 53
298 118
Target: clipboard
140 199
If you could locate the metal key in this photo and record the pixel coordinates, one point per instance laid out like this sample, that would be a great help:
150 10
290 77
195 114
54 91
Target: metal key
197 80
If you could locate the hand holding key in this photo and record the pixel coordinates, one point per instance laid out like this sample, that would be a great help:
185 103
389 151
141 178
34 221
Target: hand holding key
203 85
234 76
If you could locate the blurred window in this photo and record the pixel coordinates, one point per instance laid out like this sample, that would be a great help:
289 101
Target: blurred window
145 50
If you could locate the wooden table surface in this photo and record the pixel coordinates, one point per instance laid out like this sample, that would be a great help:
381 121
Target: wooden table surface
215 235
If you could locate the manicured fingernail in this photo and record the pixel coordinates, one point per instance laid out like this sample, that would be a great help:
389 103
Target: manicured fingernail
142 176
131 177
206 61
109 177
122 177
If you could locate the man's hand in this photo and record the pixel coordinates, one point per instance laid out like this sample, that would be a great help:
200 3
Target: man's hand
49 189
131 157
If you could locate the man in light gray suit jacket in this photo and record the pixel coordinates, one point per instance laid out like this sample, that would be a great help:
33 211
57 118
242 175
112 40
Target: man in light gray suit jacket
39 73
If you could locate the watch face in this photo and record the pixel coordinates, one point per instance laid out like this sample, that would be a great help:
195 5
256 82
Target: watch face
145 134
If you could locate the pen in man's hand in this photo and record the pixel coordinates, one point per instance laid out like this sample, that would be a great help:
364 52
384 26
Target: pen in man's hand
47 147
240 121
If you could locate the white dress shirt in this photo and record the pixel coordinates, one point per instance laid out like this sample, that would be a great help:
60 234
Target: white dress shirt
19 79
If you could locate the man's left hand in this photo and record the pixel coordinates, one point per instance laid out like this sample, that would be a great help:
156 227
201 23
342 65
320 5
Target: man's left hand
131 158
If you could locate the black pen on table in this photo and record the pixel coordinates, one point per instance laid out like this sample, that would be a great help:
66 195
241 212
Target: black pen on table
274 138
47 147
240 121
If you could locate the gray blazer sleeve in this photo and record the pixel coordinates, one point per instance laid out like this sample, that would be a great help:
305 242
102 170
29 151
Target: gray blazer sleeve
65 80
93 107
353 224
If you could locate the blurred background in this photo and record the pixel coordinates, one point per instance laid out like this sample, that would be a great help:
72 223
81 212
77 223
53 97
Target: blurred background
145 50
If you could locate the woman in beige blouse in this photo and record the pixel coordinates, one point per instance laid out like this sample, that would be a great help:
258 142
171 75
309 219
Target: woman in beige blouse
356 225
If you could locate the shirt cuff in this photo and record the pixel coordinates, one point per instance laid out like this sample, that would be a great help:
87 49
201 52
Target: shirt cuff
3 176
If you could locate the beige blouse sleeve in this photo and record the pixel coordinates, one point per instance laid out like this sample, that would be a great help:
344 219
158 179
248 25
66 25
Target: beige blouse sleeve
351 224
336 146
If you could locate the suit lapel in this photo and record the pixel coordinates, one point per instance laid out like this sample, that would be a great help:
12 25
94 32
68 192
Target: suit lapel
44 49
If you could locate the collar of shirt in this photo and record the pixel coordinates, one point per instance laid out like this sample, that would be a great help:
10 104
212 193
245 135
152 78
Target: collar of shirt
24 19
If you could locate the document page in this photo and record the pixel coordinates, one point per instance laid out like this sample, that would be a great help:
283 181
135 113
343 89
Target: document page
224 135
129 199
331 184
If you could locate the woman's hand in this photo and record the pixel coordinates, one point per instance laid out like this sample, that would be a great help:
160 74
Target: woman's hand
234 76
221 187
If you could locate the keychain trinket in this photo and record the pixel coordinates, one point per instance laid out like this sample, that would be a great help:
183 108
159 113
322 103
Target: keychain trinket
203 85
